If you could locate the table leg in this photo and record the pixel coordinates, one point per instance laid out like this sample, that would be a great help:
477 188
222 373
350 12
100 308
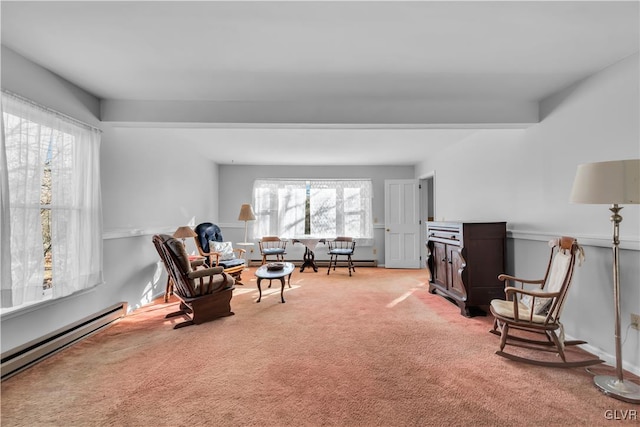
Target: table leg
259 290
282 288
309 260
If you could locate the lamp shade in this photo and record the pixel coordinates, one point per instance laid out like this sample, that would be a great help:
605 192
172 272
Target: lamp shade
183 232
615 182
246 213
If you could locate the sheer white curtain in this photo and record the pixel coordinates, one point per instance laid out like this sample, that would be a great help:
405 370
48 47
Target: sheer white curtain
5 223
37 139
279 206
76 213
342 208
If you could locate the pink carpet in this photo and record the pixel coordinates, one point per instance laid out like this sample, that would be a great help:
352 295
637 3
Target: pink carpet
374 349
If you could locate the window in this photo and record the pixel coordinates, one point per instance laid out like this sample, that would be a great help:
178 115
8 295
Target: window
326 208
51 211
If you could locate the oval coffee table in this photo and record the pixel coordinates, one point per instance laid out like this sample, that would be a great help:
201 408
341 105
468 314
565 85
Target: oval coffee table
263 273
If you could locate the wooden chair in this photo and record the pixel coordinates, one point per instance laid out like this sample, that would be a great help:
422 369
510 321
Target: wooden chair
272 246
341 246
204 293
528 313
225 256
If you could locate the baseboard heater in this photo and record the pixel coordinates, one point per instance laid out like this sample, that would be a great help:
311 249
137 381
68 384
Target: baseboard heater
26 355
325 263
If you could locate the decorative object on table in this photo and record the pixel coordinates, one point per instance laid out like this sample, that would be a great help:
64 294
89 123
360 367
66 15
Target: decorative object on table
246 214
183 232
272 246
211 245
275 266
534 306
341 246
611 183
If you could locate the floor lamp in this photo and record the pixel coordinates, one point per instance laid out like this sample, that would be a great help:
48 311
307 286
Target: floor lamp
612 183
246 214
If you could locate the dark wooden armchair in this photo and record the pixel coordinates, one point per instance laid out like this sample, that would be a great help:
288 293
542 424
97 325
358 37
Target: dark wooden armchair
528 313
205 293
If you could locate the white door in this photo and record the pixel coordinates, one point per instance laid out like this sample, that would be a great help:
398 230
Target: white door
402 223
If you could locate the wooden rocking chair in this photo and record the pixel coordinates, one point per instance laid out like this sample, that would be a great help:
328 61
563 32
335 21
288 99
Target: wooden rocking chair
537 311
204 293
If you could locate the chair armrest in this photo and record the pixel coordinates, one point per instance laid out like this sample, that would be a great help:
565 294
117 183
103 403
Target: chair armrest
204 272
517 292
240 252
214 258
203 253
505 277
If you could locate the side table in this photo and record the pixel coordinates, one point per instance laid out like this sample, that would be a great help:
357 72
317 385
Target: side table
309 257
264 273
246 246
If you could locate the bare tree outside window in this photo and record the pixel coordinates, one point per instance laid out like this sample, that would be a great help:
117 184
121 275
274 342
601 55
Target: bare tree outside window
45 217
52 172
322 207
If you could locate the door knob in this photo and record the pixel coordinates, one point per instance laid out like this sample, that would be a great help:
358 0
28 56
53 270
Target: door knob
388 229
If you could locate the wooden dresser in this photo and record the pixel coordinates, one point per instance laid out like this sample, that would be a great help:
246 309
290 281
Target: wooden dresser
465 259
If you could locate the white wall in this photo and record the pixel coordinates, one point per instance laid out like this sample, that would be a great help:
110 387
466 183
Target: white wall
236 187
23 77
149 186
524 177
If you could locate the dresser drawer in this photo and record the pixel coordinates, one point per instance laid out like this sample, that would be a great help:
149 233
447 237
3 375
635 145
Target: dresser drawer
445 233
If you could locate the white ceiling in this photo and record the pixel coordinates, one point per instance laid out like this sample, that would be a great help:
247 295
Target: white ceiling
322 52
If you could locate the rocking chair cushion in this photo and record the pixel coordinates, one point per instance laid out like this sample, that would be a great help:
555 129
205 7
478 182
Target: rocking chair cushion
235 262
504 308
339 251
273 251
557 274
181 254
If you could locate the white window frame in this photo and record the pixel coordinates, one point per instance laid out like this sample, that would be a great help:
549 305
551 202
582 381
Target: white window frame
280 208
31 135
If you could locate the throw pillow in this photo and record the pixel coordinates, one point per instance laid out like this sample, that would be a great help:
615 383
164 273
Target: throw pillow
224 248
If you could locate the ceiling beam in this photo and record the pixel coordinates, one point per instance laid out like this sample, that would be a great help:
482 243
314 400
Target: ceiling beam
476 113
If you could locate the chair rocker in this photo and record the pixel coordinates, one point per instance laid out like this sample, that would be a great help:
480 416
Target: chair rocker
536 312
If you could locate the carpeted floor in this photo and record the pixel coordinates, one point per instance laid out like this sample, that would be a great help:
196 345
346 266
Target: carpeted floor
374 349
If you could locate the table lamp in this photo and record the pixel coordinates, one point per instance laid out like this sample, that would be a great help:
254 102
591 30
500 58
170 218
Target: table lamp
612 183
246 214
183 232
